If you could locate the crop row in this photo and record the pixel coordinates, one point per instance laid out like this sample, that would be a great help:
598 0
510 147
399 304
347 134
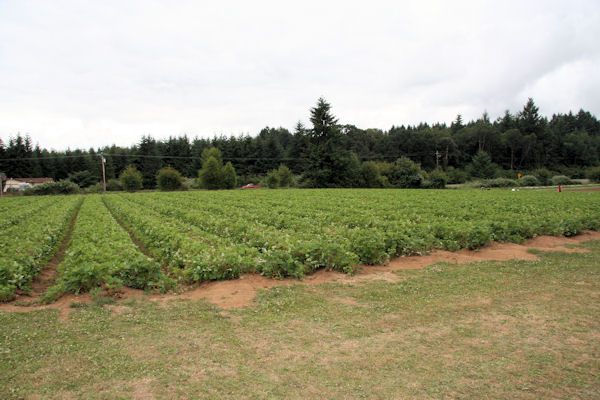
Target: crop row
200 236
189 253
316 210
282 252
20 212
369 226
24 248
101 253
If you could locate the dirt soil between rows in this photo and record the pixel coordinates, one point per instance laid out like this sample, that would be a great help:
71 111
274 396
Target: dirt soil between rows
241 292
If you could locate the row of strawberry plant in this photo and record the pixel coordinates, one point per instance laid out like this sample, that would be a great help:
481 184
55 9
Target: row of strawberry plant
334 246
20 212
395 222
282 252
24 248
8 203
190 253
499 215
101 254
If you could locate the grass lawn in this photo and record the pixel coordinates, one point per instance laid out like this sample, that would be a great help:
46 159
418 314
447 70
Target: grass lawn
517 329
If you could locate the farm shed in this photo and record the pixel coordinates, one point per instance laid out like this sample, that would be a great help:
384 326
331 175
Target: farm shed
14 184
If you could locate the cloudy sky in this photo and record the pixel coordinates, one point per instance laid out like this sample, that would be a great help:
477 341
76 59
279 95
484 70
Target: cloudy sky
92 73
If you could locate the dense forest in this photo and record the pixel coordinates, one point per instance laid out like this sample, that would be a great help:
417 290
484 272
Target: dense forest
329 154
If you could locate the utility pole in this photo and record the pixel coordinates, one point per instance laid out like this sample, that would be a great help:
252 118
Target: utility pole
103 175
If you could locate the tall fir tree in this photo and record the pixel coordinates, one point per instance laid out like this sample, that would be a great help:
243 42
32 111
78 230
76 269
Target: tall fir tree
328 162
149 162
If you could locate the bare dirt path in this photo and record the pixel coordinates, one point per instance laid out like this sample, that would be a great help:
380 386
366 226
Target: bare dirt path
241 292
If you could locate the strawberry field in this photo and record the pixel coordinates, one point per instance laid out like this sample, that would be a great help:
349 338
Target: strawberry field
159 240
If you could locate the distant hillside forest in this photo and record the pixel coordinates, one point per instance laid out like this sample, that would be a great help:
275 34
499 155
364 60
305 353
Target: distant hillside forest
329 154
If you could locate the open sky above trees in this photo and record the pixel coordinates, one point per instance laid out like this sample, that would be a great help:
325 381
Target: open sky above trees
90 74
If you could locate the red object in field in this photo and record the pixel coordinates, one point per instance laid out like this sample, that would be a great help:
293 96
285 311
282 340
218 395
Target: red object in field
559 188
250 186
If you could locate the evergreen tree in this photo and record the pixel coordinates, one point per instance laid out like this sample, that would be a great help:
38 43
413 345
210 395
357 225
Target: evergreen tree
229 178
3 162
19 154
483 167
298 149
284 176
36 162
179 147
529 120
329 164
212 152
149 162
457 125
211 174
506 122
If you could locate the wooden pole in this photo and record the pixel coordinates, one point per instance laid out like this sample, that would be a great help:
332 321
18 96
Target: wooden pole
103 175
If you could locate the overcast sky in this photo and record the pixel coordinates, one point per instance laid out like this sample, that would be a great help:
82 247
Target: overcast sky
85 74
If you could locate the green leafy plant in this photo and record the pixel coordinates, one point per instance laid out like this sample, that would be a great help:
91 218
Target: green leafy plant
561 180
169 178
131 179
528 180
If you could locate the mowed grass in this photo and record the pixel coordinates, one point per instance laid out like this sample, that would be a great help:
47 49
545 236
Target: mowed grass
518 329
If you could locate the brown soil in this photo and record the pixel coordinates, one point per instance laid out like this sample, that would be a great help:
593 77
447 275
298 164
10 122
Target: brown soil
241 292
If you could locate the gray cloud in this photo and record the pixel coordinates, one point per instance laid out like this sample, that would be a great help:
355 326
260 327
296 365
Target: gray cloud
84 74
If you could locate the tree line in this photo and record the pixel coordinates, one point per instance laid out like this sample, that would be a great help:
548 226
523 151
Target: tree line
330 154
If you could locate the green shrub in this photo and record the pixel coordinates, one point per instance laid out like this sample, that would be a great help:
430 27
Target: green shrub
272 180
561 180
406 174
528 180
189 183
370 175
97 188
501 182
437 179
7 292
113 185
593 174
131 179
286 179
574 171
456 175
169 178
60 187
544 176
